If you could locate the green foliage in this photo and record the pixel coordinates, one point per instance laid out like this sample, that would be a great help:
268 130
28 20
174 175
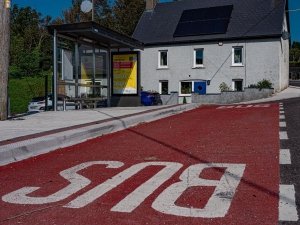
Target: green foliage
123 16
21 91
30 42
127 14
295 54
264 84
252 86
261 84
224 87
296 45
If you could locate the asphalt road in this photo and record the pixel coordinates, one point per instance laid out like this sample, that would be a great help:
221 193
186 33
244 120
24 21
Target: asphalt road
290 174
295 83
216 165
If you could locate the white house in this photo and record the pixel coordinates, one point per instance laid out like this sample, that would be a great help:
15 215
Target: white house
195 45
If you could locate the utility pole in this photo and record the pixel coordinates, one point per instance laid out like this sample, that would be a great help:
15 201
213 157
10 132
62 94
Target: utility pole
4 55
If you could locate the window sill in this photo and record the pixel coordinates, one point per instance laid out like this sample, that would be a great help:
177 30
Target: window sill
185 95
198 67
238 65
162 68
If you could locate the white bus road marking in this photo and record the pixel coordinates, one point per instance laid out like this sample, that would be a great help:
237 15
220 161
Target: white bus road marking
77 182
282 124
283 135
287 203
217 205
282 117
138 196
244 106
285 157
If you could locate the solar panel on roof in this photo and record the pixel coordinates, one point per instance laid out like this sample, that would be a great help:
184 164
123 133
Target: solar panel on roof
202 21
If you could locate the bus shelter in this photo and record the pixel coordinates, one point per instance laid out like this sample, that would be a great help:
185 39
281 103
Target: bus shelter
85 58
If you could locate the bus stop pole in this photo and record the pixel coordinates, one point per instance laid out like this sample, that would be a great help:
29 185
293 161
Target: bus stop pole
109 91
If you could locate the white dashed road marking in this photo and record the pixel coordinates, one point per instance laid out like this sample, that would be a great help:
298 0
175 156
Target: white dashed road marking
283 135
282 124
285 157
287 203
282 117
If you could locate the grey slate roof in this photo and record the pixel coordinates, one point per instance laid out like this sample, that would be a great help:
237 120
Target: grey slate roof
249 19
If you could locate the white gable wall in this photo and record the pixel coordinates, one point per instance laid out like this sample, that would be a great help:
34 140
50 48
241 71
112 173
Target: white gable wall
261 61
284 59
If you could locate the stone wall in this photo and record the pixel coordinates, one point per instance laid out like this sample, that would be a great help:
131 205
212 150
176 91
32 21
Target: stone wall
229 97
171 99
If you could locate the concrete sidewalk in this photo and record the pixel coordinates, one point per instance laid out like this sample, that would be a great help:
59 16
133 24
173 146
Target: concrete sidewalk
35 134
290 92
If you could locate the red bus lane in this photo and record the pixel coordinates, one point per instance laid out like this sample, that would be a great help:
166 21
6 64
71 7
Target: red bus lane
212 165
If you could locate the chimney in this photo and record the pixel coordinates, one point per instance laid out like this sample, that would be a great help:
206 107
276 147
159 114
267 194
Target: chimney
275 3
150 4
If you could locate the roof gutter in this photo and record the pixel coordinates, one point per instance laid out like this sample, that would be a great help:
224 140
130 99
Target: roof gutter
238 39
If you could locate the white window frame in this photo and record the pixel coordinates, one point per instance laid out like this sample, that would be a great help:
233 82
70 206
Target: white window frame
233 84
186 81
195 65
233 54
159 59
160 85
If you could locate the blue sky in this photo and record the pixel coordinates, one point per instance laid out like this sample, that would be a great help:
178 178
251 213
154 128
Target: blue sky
54 8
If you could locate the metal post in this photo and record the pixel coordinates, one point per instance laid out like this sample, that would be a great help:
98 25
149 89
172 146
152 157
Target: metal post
54 100
109 79
46 93
76 69
93 11
94 71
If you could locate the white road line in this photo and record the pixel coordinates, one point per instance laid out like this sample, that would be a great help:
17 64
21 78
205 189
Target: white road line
287 204
283 135
285 157
282 124
282 117
281 112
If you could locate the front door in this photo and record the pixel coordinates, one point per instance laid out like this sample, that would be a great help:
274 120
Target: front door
200 87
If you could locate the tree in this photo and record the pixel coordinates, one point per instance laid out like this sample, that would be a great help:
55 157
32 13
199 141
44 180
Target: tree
103 13
127 14
296 45
295 55
30 41
4 59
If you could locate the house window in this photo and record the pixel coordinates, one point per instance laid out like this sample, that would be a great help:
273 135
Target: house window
237 85
198 58
163 59
237 56
164 87
186 87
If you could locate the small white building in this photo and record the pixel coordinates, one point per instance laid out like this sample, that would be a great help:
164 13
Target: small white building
195 45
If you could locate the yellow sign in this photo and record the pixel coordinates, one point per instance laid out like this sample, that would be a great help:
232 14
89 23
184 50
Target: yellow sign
7 4
125 74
